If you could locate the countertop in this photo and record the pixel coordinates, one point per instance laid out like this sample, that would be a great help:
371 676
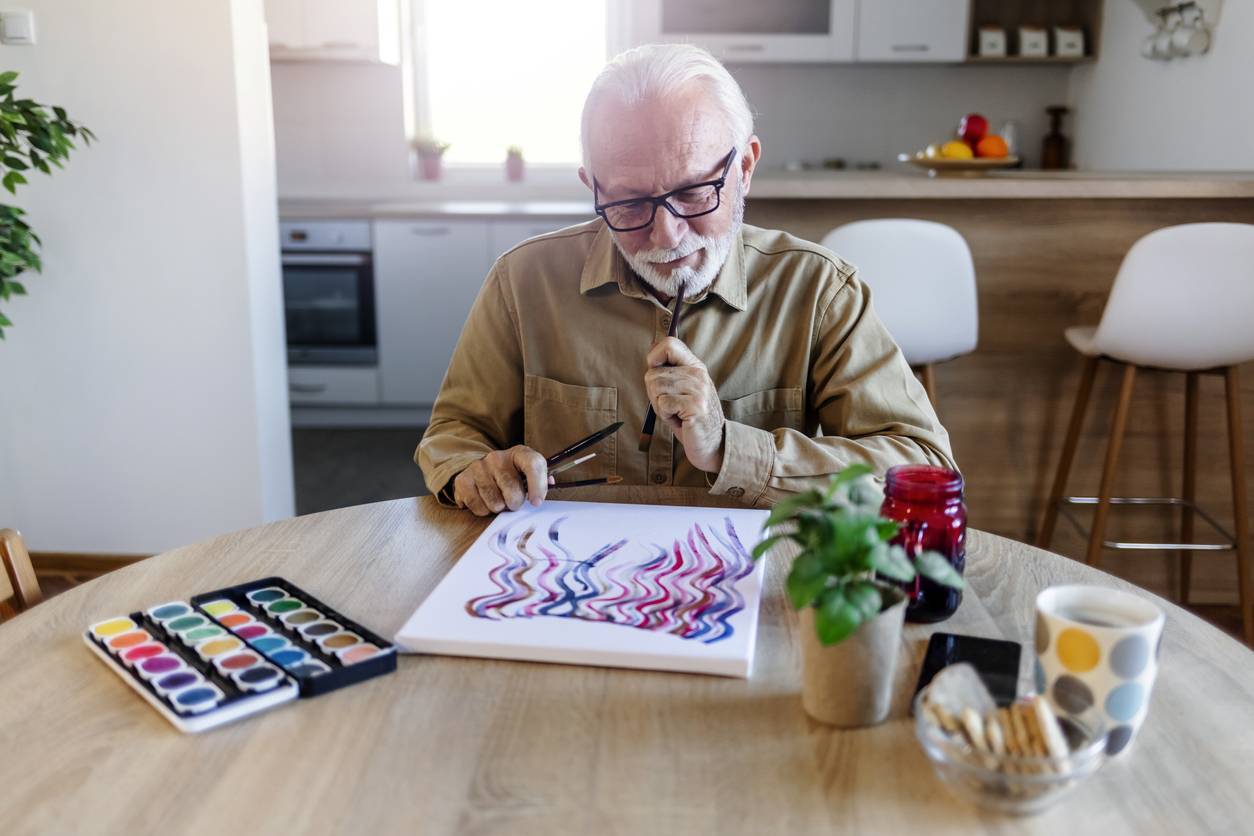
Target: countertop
813 185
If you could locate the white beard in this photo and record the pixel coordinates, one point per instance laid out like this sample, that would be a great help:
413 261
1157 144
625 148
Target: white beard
694 279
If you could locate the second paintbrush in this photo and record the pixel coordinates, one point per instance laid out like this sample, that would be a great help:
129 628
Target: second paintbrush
650 416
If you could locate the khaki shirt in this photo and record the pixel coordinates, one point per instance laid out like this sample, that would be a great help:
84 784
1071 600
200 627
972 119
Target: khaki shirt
554 349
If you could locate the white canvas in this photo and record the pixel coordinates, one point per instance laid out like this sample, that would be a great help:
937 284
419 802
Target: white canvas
585 583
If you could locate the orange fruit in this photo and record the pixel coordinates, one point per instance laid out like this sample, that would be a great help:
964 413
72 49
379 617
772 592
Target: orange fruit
992 146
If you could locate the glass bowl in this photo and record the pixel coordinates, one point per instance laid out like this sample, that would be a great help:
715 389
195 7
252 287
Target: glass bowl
1010 784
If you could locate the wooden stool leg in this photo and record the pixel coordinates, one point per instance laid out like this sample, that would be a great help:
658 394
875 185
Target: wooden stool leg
1240 510
1098 532
929 384
1190 482
1068 452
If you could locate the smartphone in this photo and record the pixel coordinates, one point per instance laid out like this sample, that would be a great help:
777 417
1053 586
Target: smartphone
996 661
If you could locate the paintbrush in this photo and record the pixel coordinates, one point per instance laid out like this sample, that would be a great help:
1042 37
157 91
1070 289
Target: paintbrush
605 480
572 463
650 417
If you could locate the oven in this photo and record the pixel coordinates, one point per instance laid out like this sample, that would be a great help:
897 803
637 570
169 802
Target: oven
328 293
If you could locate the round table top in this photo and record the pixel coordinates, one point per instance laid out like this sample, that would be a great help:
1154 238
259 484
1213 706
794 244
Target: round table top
449 745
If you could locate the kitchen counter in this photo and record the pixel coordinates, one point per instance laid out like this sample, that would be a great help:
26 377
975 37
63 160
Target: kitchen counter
895 184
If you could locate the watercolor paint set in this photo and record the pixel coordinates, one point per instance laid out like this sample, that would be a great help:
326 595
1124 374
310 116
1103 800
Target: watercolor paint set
237 651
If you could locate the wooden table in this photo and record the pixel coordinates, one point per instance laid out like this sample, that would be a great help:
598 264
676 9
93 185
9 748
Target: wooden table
449 745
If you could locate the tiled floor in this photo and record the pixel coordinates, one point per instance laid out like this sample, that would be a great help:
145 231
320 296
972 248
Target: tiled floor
337 468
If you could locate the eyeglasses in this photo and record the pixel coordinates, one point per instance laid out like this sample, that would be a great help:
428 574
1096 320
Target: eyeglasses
691 201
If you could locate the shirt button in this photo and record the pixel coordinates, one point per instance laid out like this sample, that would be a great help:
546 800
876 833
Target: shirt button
658 478
735 490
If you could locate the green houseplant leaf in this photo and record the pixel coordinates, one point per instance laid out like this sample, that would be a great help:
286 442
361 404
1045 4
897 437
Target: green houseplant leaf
845 561
30 138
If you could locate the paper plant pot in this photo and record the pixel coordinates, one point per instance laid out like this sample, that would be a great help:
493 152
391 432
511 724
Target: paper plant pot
850 684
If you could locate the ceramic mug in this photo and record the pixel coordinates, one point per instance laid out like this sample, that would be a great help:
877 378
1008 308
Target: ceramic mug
1097 649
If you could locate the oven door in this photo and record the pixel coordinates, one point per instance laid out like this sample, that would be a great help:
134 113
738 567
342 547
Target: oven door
328 301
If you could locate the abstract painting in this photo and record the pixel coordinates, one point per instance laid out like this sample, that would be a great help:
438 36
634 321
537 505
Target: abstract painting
661 587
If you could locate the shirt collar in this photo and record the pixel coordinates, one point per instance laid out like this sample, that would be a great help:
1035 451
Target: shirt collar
605 265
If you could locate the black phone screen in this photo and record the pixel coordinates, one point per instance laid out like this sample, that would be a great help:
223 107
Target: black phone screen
996 660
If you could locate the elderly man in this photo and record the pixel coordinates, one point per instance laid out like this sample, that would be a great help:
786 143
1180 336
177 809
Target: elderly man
781 373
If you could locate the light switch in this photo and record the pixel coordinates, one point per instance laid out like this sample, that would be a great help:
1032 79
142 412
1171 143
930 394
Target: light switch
17 27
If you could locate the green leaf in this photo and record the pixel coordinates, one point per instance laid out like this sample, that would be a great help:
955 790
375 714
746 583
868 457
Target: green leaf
17 288
865 596
891 562
11 180
4 320
765 545
836 618
786 508
806 581
934 566
886 529
14 163
8 77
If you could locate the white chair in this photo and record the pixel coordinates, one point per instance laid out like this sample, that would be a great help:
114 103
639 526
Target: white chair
922 281
1183 301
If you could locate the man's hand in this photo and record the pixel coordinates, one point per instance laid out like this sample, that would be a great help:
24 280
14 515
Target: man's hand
683 396
494 483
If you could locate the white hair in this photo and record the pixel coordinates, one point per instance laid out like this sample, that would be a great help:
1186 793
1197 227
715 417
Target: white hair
658 71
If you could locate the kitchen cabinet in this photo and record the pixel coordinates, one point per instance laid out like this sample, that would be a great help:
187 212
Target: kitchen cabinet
782 31
504 235
912 30
427 274
334 30
333 385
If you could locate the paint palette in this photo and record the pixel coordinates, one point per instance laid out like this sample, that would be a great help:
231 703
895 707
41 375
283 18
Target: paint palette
237 651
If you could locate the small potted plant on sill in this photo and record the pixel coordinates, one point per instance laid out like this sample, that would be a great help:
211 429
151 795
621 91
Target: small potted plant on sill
430 153
513 163
841 581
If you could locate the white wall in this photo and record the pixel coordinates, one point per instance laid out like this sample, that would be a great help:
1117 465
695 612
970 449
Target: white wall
339 128
1193 114
144 401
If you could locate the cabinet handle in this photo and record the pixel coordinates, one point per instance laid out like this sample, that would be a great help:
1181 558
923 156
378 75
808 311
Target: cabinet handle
307 388
910 47
746 47
430 230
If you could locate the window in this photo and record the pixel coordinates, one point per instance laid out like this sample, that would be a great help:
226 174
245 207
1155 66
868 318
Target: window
489 74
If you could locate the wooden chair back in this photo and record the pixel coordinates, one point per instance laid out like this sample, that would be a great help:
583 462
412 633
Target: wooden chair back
19 588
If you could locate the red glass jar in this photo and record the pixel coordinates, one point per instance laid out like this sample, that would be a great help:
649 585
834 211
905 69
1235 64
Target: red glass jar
927 501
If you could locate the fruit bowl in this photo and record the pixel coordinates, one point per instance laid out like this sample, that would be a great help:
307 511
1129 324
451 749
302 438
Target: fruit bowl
953 167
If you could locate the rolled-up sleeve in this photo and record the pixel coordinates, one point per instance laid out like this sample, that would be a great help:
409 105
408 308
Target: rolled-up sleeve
869 406
480 405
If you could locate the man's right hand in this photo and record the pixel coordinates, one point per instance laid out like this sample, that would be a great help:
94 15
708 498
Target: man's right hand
495 482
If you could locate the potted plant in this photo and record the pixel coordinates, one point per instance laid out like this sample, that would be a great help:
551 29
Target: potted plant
513 163
842 582
430 152
30 138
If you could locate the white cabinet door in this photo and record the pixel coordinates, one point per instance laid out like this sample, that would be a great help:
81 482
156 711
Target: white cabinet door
333 385
427 274
912 30
285 20
334 24
781 31
505 235
334 30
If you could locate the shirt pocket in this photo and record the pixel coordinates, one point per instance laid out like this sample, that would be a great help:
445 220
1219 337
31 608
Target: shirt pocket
769 409
556 415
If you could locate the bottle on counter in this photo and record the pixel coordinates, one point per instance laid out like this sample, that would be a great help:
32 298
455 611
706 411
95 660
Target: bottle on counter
1010 133
1056 148
927 501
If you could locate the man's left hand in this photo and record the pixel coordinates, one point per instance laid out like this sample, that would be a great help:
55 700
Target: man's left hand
682 394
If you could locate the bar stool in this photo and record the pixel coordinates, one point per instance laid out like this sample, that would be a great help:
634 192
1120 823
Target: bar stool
923 284
1182 301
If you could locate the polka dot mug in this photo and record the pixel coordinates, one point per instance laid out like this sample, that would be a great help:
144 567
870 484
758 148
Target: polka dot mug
1097 651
